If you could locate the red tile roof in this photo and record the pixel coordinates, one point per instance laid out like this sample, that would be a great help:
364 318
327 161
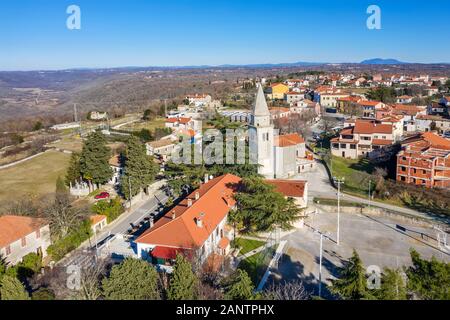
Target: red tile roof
13 228
369 103
97 219
289 188
369 127
178 228
436 141
382 142
166 252
288 140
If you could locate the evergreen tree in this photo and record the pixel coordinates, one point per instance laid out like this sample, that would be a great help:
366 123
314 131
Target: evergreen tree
392 286
183 283
12 289
74 170
352 281
261 208
43 294
133 279
140 170
94 161
240 287
60 186
430 280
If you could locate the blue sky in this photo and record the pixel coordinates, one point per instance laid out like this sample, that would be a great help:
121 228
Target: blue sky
33 33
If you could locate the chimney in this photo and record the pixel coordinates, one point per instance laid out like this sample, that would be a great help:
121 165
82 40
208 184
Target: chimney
174 215
189 203
151 221
197 195
199 222
206 178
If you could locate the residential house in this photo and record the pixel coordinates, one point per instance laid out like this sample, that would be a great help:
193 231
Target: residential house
362 139
292 97
276 91
116 165
162 148
409 113
22 235
425 123
195 227
369 108
404 99
279 112
330 99
198 100
425 160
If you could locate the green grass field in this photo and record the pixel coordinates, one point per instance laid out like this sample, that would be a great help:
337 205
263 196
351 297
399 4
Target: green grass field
247 245
256 264
150 125
355 172
35 177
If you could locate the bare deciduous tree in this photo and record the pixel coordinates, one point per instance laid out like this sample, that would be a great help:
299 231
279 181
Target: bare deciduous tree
62 216
90 281
287 291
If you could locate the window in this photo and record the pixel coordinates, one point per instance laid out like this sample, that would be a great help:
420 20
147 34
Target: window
335 145
353 146
384 137
8 250
424 171
24 241
343 145
402 178
38 233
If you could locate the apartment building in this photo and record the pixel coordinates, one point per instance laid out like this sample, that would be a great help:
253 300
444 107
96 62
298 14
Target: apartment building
366 138
425 160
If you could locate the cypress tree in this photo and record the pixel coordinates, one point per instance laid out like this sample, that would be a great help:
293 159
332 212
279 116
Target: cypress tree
392 286
12 289
139 168
133 279
352 282
183 283
74 170
240 287
94 161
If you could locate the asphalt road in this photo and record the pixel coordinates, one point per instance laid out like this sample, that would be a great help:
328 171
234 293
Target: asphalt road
83 256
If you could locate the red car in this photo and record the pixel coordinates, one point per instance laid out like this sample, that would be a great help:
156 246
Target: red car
103 195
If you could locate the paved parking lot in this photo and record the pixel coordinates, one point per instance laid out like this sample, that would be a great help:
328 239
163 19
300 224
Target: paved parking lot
375 238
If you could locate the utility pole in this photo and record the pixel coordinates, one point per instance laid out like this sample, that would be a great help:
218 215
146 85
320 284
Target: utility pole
369 192
338 182
129 190
320 265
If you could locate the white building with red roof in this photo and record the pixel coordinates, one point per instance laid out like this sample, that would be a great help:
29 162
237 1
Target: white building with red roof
21 235
364 138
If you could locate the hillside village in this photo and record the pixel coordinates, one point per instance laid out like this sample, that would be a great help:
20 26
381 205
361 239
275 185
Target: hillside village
329 150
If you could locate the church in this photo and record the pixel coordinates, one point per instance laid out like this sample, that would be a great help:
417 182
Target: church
278 156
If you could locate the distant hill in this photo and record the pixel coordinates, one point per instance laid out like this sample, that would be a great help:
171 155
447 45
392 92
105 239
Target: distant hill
382 61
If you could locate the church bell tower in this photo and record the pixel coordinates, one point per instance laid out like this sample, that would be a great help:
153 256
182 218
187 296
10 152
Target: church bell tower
261 135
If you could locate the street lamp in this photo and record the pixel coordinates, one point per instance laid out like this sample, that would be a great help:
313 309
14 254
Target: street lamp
320 260
338 182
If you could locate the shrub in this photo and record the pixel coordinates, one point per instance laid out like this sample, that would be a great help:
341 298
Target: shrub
112 209
70 242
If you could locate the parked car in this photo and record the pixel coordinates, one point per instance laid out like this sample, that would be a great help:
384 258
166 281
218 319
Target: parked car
103 195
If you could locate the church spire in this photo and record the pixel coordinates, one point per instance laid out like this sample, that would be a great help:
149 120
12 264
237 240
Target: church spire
260 107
